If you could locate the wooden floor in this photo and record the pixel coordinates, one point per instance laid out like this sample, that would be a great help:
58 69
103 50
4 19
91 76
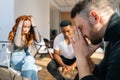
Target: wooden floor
44 74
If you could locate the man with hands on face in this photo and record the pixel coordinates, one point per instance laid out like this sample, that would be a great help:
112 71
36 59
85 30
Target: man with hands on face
63 52
96 19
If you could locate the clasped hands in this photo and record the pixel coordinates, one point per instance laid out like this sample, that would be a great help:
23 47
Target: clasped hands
66 69
80 44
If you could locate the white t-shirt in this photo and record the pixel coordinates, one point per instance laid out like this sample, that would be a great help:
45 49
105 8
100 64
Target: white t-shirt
65 49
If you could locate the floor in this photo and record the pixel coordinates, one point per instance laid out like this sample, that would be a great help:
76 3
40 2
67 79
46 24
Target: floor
44 74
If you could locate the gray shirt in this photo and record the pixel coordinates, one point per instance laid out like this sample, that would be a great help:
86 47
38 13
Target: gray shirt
17 41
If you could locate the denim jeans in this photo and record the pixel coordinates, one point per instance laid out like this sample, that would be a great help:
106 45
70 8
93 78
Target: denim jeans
31 74
17 61
53 66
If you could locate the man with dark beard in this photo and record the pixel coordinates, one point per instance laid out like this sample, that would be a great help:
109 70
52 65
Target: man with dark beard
96 19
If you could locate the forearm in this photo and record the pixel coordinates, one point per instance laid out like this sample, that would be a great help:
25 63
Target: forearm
37 35
17 39
91 64
83 67
59 60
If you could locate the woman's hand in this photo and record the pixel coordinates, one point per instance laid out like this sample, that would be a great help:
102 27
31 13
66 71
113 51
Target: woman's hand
32 20
21 23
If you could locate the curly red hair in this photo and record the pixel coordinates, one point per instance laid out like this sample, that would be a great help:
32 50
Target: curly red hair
29 37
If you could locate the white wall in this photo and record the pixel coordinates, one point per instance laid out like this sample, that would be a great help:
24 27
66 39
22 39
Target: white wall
54 19
66 9
6 18
40 9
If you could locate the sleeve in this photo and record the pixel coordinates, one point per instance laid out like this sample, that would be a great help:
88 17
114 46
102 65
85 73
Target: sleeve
17 39
113 69
56 44
109 68
37 34
94 76
89 77
97 73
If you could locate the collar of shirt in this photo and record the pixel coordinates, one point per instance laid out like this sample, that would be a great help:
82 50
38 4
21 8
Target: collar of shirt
113 30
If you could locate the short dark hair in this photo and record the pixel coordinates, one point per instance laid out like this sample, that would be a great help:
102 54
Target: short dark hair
65 23
82 5
78 7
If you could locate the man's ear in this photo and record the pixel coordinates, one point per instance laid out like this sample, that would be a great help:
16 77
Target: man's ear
94 17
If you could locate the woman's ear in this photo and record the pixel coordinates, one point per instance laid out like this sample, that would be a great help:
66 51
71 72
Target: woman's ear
94 17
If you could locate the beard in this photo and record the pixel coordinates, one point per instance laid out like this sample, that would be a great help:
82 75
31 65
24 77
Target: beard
96 36
95 42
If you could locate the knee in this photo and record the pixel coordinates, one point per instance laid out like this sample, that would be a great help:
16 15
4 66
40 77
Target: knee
29 59
51 66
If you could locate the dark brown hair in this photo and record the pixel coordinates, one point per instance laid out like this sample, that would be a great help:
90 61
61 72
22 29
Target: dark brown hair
87 4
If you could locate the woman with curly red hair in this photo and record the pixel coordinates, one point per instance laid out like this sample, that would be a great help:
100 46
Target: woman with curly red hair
22 37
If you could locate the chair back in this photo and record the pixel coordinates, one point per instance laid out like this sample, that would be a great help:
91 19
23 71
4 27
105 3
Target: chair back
47 43
48 47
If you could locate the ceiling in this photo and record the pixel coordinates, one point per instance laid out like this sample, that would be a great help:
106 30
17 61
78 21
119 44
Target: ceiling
66 3
71 3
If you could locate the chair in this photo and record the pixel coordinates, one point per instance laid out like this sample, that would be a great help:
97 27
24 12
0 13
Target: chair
3 55
49 47
10 68
44 48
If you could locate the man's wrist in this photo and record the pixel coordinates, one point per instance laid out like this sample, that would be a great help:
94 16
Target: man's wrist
91 64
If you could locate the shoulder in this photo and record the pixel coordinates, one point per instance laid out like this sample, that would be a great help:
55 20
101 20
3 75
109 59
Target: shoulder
59 37
115 52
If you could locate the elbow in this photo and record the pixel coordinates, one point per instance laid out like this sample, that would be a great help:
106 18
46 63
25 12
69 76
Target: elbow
18 44
38 40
